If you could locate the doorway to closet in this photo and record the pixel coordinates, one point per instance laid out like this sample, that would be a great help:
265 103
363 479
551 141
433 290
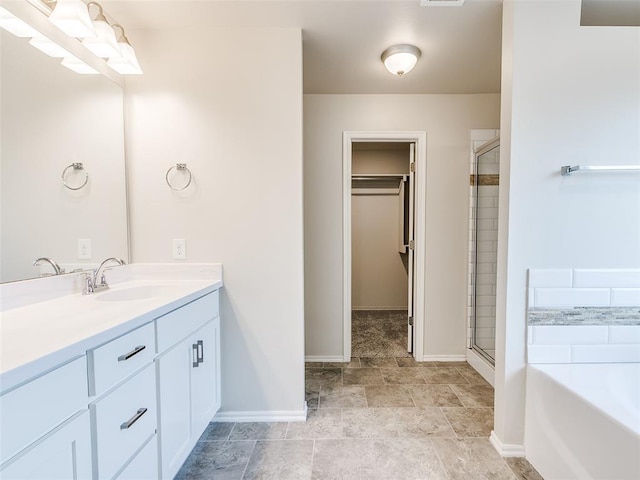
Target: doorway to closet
384 239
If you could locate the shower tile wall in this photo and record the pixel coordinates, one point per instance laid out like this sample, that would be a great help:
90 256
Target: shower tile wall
485 258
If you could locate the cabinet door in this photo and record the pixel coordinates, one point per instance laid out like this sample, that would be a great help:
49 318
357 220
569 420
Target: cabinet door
145 465
204 380
65 453
174 402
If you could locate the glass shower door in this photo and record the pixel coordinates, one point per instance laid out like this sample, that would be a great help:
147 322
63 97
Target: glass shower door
485 191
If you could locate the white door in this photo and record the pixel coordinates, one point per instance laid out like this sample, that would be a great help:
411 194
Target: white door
411 259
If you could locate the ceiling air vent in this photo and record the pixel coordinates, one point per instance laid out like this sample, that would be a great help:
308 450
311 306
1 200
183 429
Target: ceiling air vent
441 3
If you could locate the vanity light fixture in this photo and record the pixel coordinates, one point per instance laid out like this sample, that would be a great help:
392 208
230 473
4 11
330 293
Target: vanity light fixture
49 47
400 59
126 63
78 66
104 44
72 17
14 25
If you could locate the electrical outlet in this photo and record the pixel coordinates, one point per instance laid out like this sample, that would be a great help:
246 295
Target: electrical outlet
179 249
84 249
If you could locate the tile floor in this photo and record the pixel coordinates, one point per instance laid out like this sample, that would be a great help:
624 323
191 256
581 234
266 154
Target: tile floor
374 418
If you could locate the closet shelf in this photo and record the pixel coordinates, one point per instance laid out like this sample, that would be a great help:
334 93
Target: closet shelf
377 183
378 176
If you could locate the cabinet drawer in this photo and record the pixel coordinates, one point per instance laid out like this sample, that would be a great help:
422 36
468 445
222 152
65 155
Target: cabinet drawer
174 326
35 408
123 420
115 360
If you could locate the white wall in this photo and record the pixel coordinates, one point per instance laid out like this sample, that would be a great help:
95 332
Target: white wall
234 116
447 119
52 117
366 160
571 95
379 279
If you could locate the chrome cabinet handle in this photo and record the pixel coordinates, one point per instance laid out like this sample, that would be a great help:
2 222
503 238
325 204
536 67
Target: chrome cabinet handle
133 352
195 355
134 419
200 352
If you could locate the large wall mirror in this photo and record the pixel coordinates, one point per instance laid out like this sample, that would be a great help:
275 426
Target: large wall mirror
50 119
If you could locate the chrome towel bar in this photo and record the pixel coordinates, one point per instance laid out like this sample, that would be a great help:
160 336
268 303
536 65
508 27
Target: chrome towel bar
568 170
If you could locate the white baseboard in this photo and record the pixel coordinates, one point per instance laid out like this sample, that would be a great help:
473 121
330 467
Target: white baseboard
480 365
324 358
264 416
443 358
506 450
425 358
379 308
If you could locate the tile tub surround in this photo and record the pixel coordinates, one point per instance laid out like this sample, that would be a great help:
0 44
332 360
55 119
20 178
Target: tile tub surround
562 288
583 316
362 430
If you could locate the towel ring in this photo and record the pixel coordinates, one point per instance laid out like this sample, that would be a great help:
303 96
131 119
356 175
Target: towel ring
178 166
74 166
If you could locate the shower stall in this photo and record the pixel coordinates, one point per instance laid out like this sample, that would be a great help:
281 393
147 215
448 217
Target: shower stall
484 186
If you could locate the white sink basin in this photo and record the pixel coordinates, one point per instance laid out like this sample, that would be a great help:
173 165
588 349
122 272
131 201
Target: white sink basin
139 292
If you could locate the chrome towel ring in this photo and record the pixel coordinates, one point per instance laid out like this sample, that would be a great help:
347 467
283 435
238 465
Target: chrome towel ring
74 166
179 167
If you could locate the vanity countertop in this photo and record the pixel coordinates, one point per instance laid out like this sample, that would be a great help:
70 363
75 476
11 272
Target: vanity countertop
37 337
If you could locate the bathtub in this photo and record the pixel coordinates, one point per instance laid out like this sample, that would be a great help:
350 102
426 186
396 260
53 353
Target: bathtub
582 421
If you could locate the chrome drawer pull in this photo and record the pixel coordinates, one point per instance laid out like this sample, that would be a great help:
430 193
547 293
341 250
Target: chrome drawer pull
195 355
133 352
134 419
200 352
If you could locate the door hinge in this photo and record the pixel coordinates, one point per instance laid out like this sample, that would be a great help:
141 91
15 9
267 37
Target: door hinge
413 166
411 244
411 321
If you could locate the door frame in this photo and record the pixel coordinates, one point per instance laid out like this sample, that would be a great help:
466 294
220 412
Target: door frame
420 139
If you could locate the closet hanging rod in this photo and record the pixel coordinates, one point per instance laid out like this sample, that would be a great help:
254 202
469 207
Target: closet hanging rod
378 176
568 170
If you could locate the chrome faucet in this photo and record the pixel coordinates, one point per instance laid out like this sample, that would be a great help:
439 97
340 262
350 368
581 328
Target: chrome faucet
58 270
92 284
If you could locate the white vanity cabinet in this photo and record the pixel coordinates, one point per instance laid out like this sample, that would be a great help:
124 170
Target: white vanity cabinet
45 426
188 367
121 393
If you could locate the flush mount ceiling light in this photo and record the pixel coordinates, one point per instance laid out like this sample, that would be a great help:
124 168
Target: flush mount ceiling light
400 59
126 63
104 44
72 17
14 25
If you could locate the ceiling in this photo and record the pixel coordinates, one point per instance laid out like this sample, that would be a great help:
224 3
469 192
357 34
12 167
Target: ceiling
343 40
